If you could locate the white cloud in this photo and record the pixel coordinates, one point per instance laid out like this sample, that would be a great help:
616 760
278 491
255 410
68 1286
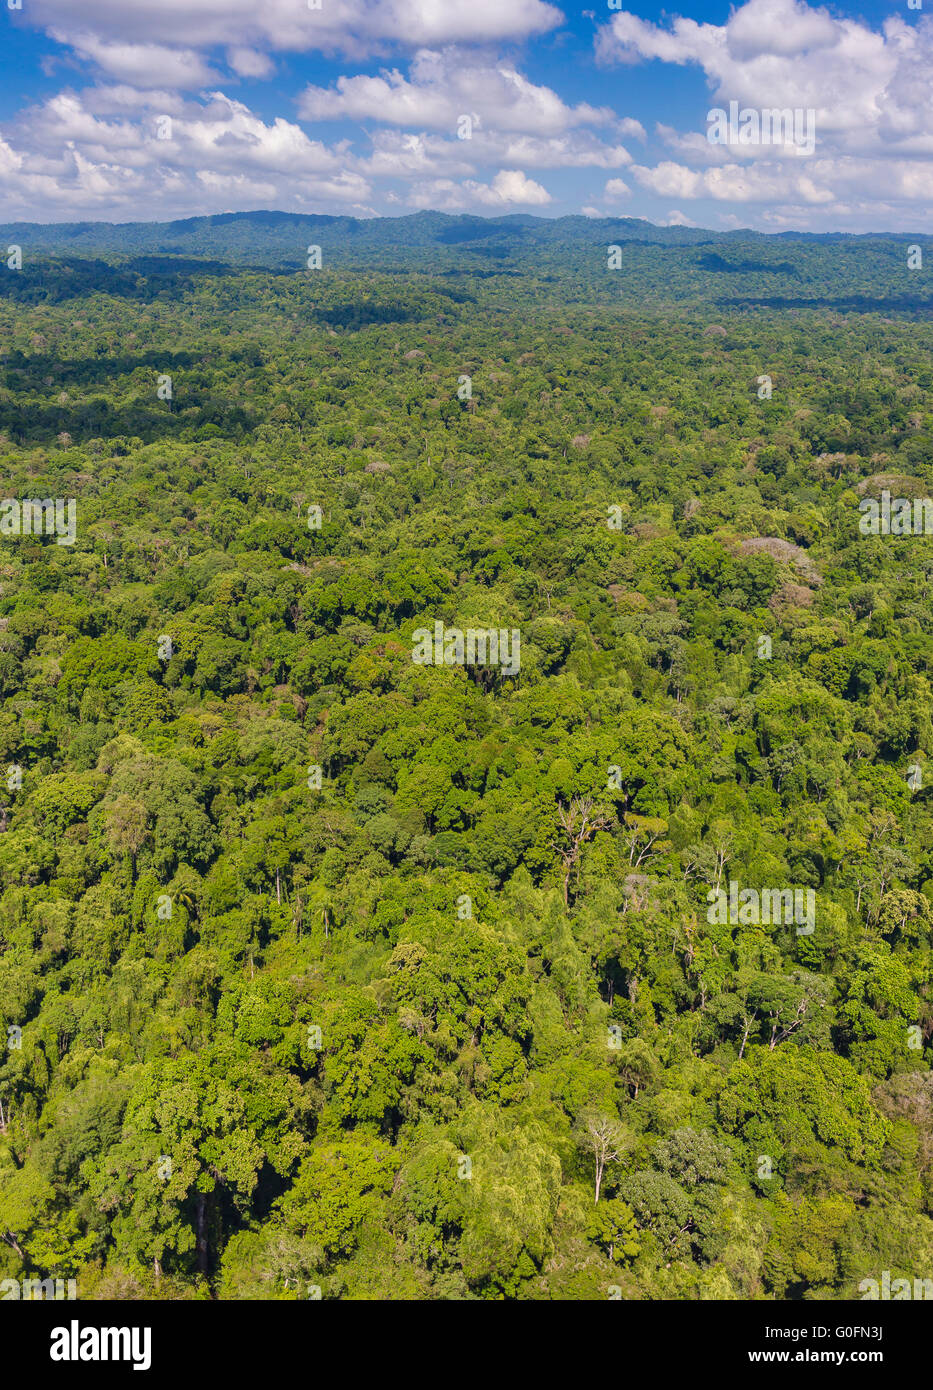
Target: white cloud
65 119
10 161
783 28
65 159
248 62
578 150
865 86
670 180
512 124
105 100
230 135
349 26
398 154
109 151
443 86
96 152
509 188
825 181
869 90
141 64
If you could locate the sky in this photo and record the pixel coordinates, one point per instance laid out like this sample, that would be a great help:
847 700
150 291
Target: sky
148 110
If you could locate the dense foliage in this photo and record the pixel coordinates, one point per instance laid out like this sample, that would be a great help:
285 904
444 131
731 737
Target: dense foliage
390 1036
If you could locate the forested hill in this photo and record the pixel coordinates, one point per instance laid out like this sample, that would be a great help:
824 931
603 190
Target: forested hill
272 237
330 971
564 259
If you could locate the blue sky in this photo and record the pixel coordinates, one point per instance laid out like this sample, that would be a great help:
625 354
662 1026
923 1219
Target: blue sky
124 110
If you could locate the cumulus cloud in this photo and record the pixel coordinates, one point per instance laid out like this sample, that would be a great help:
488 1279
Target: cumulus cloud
150 60
509 188
469 114
733 183
141 64
107 99
869 91
119 152
443 86
97 152
228 133
825 181
346 26
578 150
65 158
783 28
248 62
398 154
865 86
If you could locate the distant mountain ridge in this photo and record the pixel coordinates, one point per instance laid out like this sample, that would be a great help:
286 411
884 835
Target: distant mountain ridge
227 230
565 258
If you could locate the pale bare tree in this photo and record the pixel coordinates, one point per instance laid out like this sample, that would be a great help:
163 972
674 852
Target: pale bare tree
579 821
605 1137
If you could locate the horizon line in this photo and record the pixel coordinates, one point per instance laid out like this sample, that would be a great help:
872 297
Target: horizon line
461 216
